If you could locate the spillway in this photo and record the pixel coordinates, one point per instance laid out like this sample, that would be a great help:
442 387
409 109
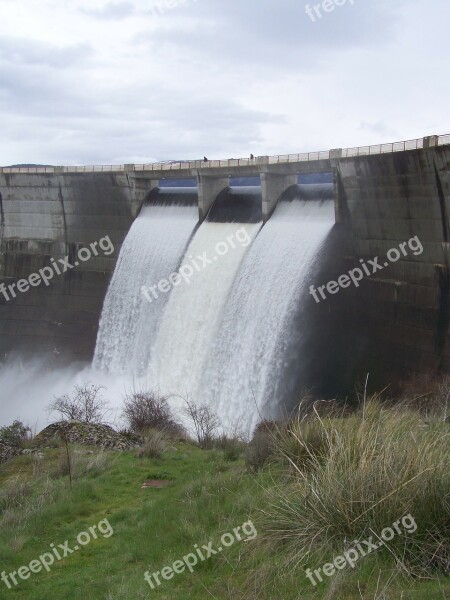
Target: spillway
193 313
152 250
244 376
223 334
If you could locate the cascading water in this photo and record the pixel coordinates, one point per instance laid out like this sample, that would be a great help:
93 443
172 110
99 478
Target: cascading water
222 335
151 251
193 312
244 374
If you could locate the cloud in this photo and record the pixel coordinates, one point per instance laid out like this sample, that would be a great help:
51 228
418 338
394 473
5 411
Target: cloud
379 127
95 123
100 82
110 10
265 34
17 51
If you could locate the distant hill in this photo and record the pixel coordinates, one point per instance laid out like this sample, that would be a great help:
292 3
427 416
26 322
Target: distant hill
25 165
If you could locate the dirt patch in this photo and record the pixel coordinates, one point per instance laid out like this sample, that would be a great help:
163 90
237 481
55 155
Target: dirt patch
156 483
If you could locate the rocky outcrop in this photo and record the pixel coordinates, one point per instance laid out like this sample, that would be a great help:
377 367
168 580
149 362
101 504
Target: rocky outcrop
89 434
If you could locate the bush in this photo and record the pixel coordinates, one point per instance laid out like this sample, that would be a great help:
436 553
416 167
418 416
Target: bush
85 404
16 434
205 422
359 474
304 441
55 441
146 410
97 464
267 426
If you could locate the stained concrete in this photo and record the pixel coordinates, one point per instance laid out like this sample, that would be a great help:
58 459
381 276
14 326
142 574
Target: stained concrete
400 315
53 216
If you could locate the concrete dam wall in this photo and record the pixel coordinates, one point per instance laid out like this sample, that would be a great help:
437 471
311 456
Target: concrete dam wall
401 314
394 324
53 216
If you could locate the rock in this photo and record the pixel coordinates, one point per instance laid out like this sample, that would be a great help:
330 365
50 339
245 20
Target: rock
89 434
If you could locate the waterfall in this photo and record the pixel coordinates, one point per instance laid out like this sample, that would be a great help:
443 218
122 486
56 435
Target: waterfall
243 377
193 313
223 334
151 251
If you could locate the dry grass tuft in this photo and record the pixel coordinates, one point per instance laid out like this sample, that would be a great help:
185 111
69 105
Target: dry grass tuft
350 477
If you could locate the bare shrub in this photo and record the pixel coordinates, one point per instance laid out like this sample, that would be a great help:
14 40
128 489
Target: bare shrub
205 422
154 446
146 410
85 404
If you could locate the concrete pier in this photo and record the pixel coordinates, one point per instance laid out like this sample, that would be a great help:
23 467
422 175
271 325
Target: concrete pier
209 188
273 186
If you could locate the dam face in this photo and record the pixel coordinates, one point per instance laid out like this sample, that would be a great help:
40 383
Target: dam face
403 311
393 324
53 216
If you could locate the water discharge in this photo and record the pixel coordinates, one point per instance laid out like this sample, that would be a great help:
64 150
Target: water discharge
193 313
28 387
224 336
243 377
151 251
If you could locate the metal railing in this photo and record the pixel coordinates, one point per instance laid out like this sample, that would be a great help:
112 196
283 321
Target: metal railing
416 144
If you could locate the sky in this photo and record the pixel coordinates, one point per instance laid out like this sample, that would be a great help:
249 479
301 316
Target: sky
137 81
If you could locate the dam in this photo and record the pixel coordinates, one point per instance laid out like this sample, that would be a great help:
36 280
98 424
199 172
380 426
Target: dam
248 319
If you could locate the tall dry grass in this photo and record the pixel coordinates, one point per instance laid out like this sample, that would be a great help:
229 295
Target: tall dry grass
352 476
155 444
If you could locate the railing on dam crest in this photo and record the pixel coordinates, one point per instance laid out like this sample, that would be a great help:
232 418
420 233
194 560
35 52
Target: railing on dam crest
416 144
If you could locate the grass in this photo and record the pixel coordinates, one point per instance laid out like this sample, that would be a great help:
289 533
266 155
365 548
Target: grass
209 495
154 445
152 528
349 478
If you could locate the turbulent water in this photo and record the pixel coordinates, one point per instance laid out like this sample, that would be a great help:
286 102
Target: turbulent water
242 377
151 251
27 388
224 333
193 313
221 334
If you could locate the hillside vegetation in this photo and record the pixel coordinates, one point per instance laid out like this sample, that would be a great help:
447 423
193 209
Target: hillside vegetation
299 495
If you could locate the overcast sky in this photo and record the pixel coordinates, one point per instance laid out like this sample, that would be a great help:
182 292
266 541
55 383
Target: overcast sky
106 82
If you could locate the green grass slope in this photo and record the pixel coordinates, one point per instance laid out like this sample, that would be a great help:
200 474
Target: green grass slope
207 497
